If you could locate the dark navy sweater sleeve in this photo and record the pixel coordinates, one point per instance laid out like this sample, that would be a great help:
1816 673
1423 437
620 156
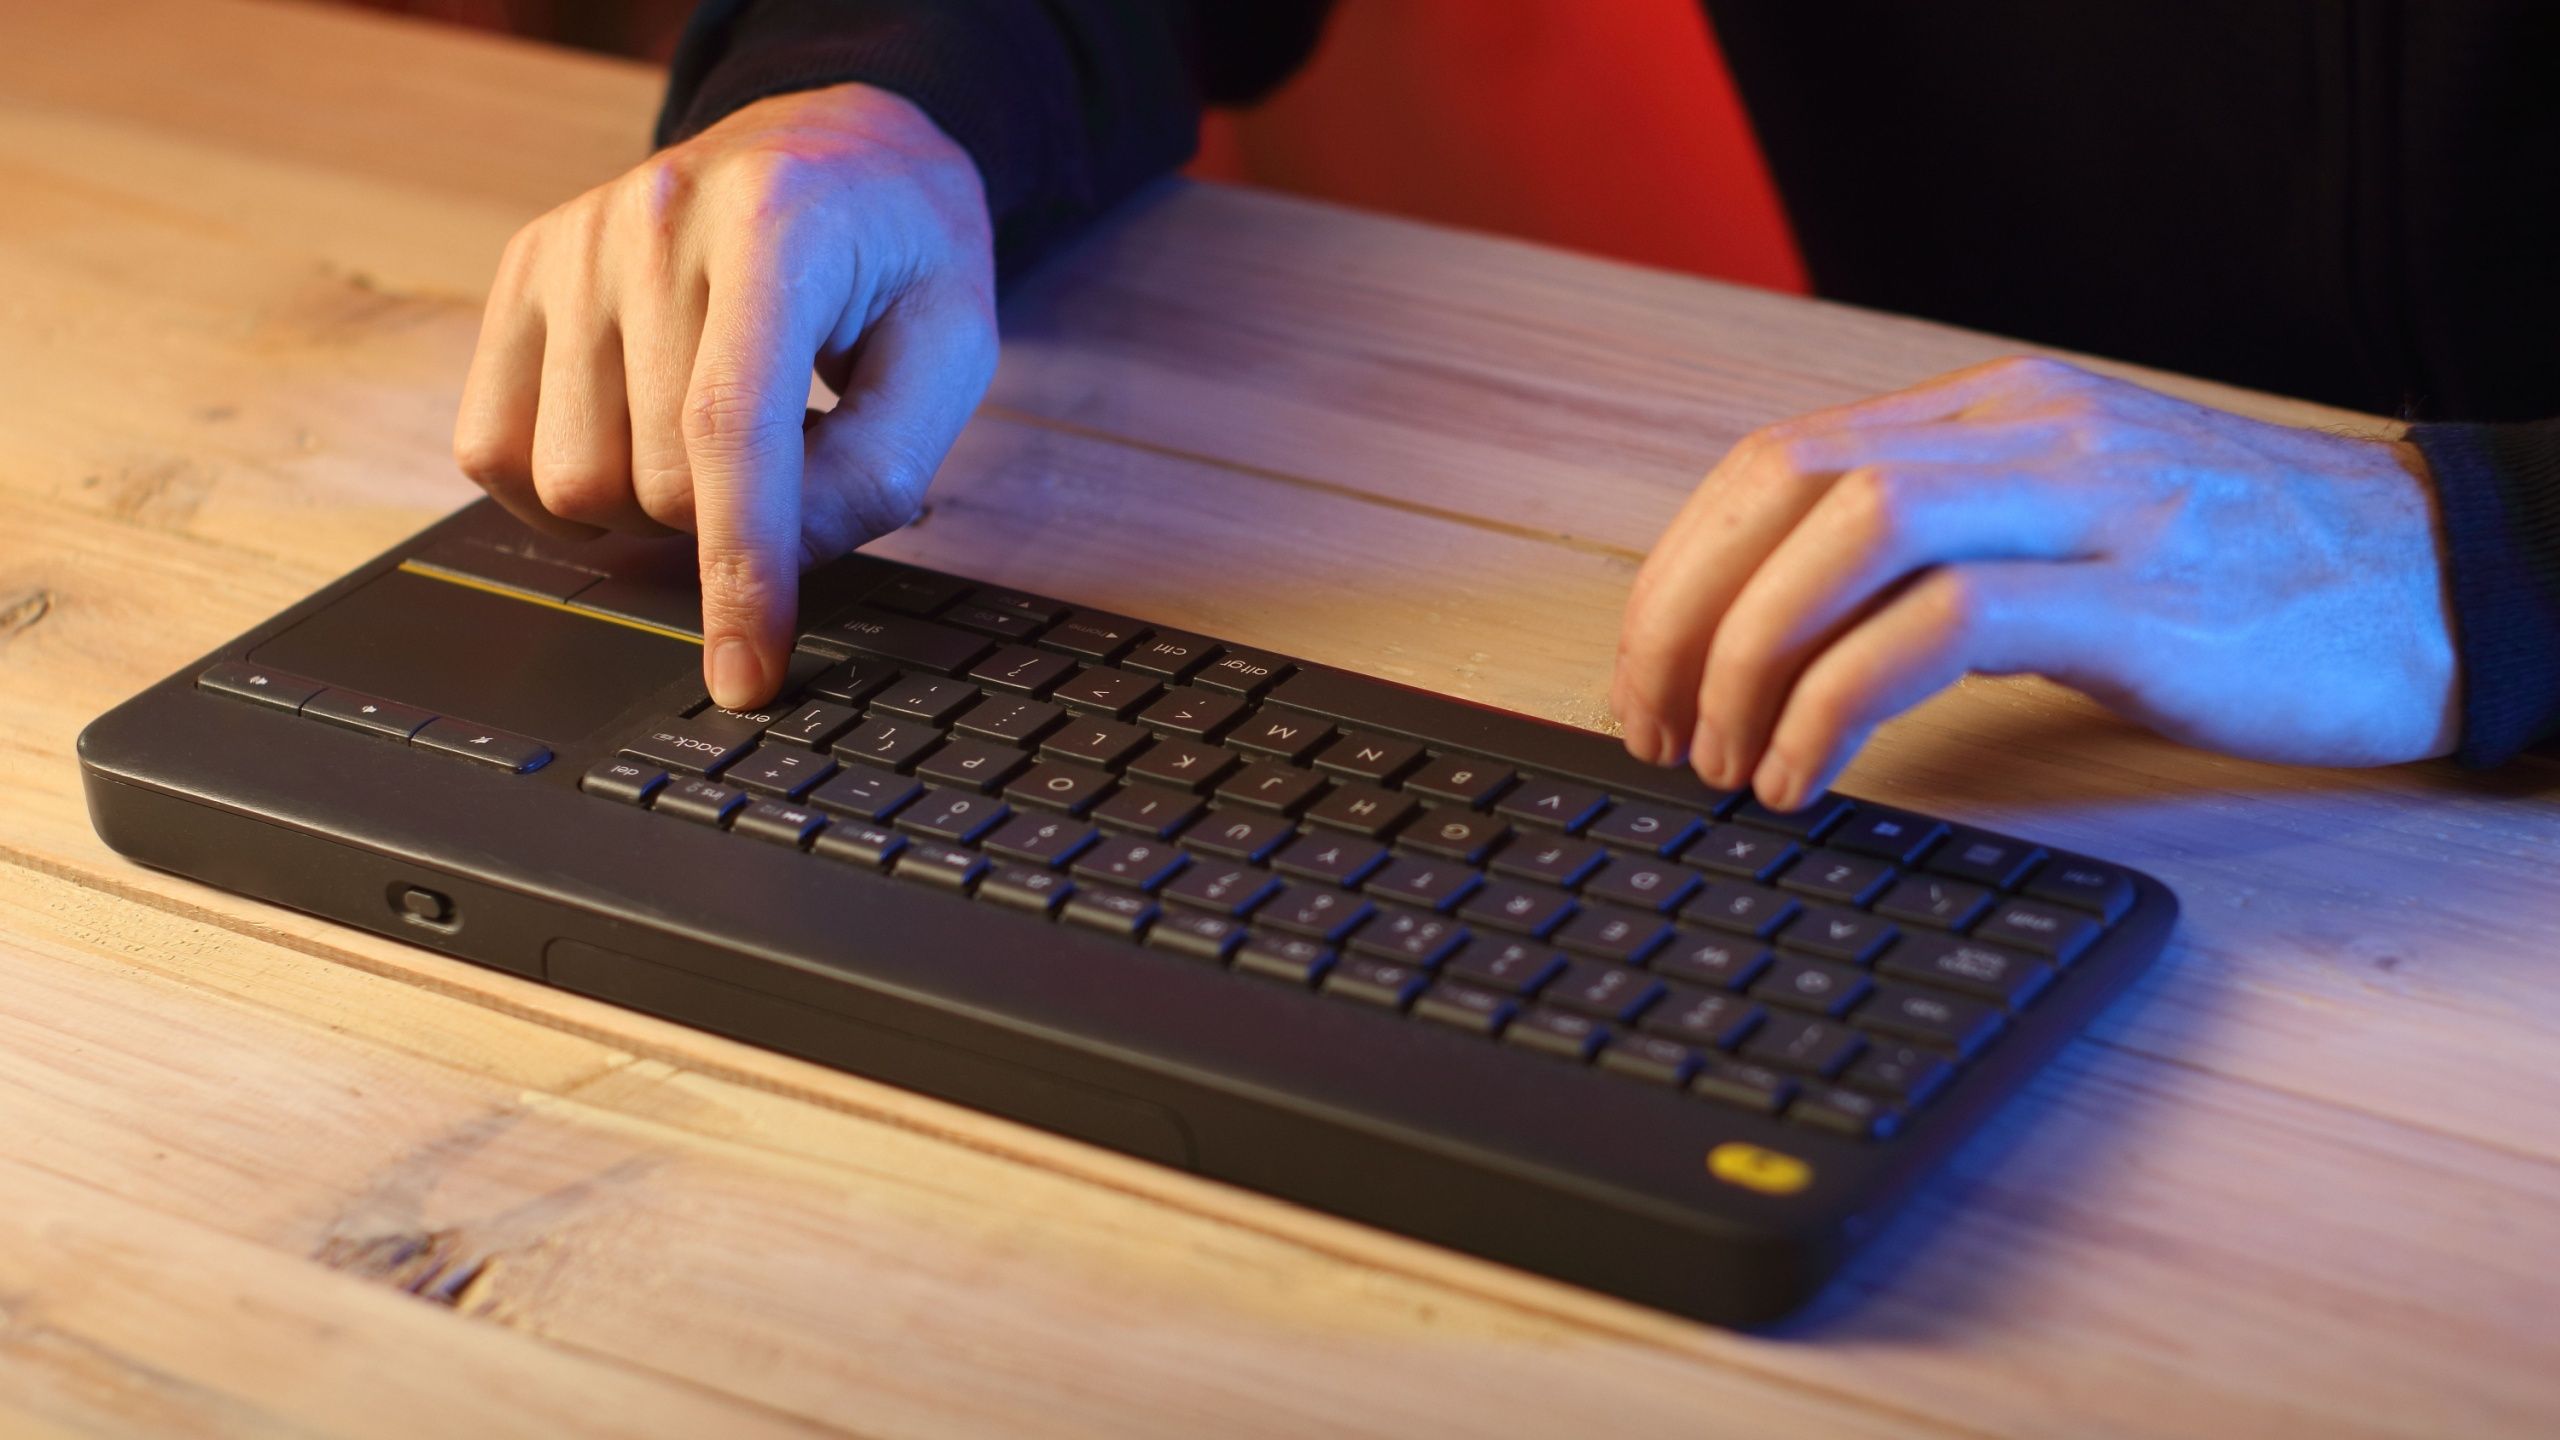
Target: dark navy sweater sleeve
2498 491
1065 105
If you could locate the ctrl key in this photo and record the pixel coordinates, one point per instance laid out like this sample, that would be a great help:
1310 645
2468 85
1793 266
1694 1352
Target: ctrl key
1846 1112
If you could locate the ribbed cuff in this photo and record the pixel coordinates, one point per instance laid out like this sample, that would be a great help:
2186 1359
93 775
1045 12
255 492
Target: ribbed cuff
2498 490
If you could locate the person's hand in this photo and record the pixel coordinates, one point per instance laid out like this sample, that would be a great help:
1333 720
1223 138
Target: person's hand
2266 591
644 363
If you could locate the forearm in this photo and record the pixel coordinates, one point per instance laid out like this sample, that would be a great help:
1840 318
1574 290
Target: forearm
1066 106
2498 489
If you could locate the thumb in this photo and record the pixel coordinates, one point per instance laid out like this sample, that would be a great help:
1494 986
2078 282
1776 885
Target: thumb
917 377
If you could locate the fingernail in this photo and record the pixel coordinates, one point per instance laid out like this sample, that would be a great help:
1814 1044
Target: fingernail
737 680
1644 741
1667 749
1707 746
1775 784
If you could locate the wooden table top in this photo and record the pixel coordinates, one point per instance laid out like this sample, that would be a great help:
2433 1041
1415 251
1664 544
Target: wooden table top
260 1173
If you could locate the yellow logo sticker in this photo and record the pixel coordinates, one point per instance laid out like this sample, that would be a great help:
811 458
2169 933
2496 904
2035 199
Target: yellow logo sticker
1754 1168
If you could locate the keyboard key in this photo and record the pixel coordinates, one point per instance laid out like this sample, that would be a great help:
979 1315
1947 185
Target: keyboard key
2045 929
1839 877
1560 1033
1655 885
1432 884
784 770
1137 862
1285 958
1622 937
1651 829
1896 836
1565 806
1411 936
1904 1074
244 681
915 593
1148 810
353 711
1332 858
1092 635
1753 1087
1038 609
1466 1007
1512 905
1113 912
1040 839
1182 763
1941 904
1245 672
1192 933
887 743
1942 1022
815 724
1651 1057
907 640
1755 855
1239 834
1376 982
1460 835
1271 786
1027 887
926 698
1611 992
1095 742
628 781
1986 971
1708 1019
699 745
1843 1111
1839 934
972 764
851 682
1543 857
864 793
1460 780
1171 654
478 743
1362 809
1719 961
1317 911
1099 690
1192 711
705 802
2102 890
1009 719
1809 823
1814 985
1021 669
870 846
1224 889
989 620
958 816
1072 788
1985 859
1744 909
1789 1042
1281 734
1376 759
779 821
1518 966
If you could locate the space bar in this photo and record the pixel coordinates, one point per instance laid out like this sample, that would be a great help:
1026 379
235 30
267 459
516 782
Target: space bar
1532 744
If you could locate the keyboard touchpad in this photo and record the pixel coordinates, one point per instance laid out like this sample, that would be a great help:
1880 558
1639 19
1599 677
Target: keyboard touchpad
513 663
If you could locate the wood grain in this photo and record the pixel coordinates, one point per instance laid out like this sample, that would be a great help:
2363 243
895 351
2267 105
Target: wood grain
260 1174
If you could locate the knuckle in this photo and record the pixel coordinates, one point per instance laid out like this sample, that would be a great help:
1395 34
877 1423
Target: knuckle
488 460
728 417
1875 503
739 582
1953 602
579 490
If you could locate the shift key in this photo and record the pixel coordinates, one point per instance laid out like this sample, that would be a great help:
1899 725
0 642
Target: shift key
907 640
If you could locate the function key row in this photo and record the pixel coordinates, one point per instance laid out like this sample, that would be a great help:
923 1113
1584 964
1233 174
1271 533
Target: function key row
372 715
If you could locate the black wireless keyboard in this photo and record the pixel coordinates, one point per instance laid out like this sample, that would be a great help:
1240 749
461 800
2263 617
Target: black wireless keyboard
1452 970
